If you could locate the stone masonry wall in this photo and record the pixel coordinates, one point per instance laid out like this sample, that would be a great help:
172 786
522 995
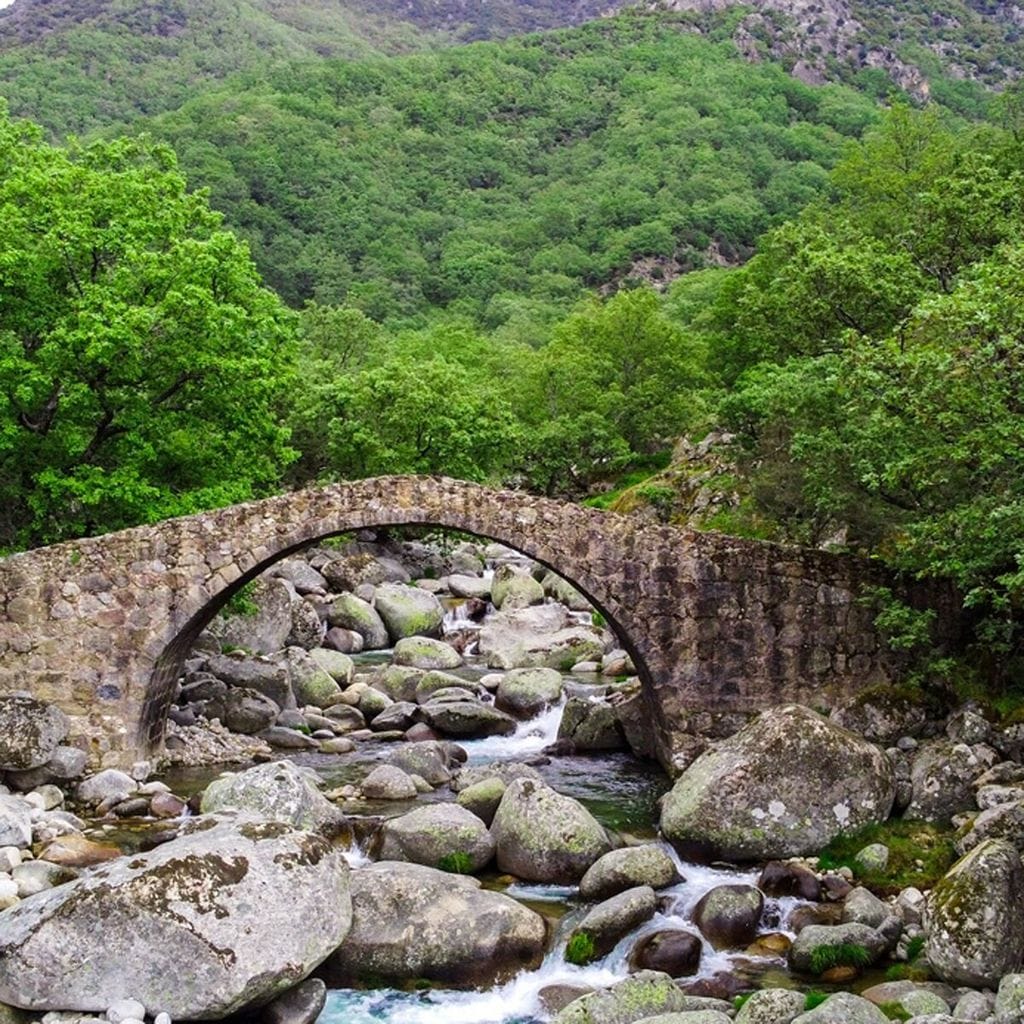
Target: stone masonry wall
101 626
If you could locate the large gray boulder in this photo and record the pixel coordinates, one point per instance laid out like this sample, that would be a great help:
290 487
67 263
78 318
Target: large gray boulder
426 653
267 677
975 917
743 801
614 918
408 611
411 922
467 719
772 1006
30 732
514 588
274 792
883 714
942 776
644 995
350 612
444 836
264 625
622 869
537 637
247 711
526 692
843 1008
543 836
311 684
200 927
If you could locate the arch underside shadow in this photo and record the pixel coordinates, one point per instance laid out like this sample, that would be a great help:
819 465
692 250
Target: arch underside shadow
169 662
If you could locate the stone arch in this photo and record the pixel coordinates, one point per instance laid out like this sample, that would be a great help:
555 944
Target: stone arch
99 626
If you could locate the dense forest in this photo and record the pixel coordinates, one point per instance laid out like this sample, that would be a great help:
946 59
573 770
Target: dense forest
537 262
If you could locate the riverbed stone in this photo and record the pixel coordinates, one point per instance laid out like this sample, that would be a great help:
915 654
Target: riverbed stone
279 792
526 692
673 951
109 786
942 776
15 822
77 851
428 759
864 907
398 716
976 917
429 683
591 725
412 921
639 997
158 924
974 1006
267 677
398 682
789 878
474 587
299 1005
467 719
512 587
771 1006
728 915
347 611
1004 821
386 782
247 711
883 714
741 801
1010 997
30 732
339 666
614 918
543 836
619 870
482 798
818 936
424 652
311 684
264 627
308 629
843 1008
408 611
444 836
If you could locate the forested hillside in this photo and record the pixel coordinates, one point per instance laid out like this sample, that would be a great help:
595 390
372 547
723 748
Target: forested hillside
503 180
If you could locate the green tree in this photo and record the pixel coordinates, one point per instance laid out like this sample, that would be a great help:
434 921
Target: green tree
141 361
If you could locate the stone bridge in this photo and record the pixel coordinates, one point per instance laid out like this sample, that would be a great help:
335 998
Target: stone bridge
101 626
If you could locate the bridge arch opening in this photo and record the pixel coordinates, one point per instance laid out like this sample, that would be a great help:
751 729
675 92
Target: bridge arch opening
175 648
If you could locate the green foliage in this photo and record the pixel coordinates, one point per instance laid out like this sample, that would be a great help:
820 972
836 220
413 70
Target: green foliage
141 361
242 603
814 999
580 949
894 1011
847 954
459 863
908 843
598 620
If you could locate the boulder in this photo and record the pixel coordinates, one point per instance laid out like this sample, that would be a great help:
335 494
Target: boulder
308 629
279 792
543 836
467 719
883 714
525 692
514 588
301 575
975 917
247 711
771 1006
1004 821
614 918
728 915
336 664
30 732
412 922
386 782
76 851
942 776
408 611
429 760
109 786
804 955
426 653
673 951
428 683
214 921
311 684
843 1008
782 878
398 682
474 587
741 801
443 836
266 677
350 612
264 625
640 997
398 716
562 591
864 907
351 571
537 637
619 870
482 798
345 641
300 1005
15 822
591 724
1010 997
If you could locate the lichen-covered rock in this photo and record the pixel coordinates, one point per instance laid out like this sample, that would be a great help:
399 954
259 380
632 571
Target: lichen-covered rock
267 677
543 836
412 922
864 907
976 917
443 836
591 725
467 719
821 936
514 588
843 1008
742 801
728 915
1004 821
771 1006
229 915
646 994
537 637
350 612
616 917
426 653
408 611
30 732
1010 997
308 628
15 822
311 684
264 627
482 798
942 776
339 666
622 869
883 714
274 792
526 692
386 782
